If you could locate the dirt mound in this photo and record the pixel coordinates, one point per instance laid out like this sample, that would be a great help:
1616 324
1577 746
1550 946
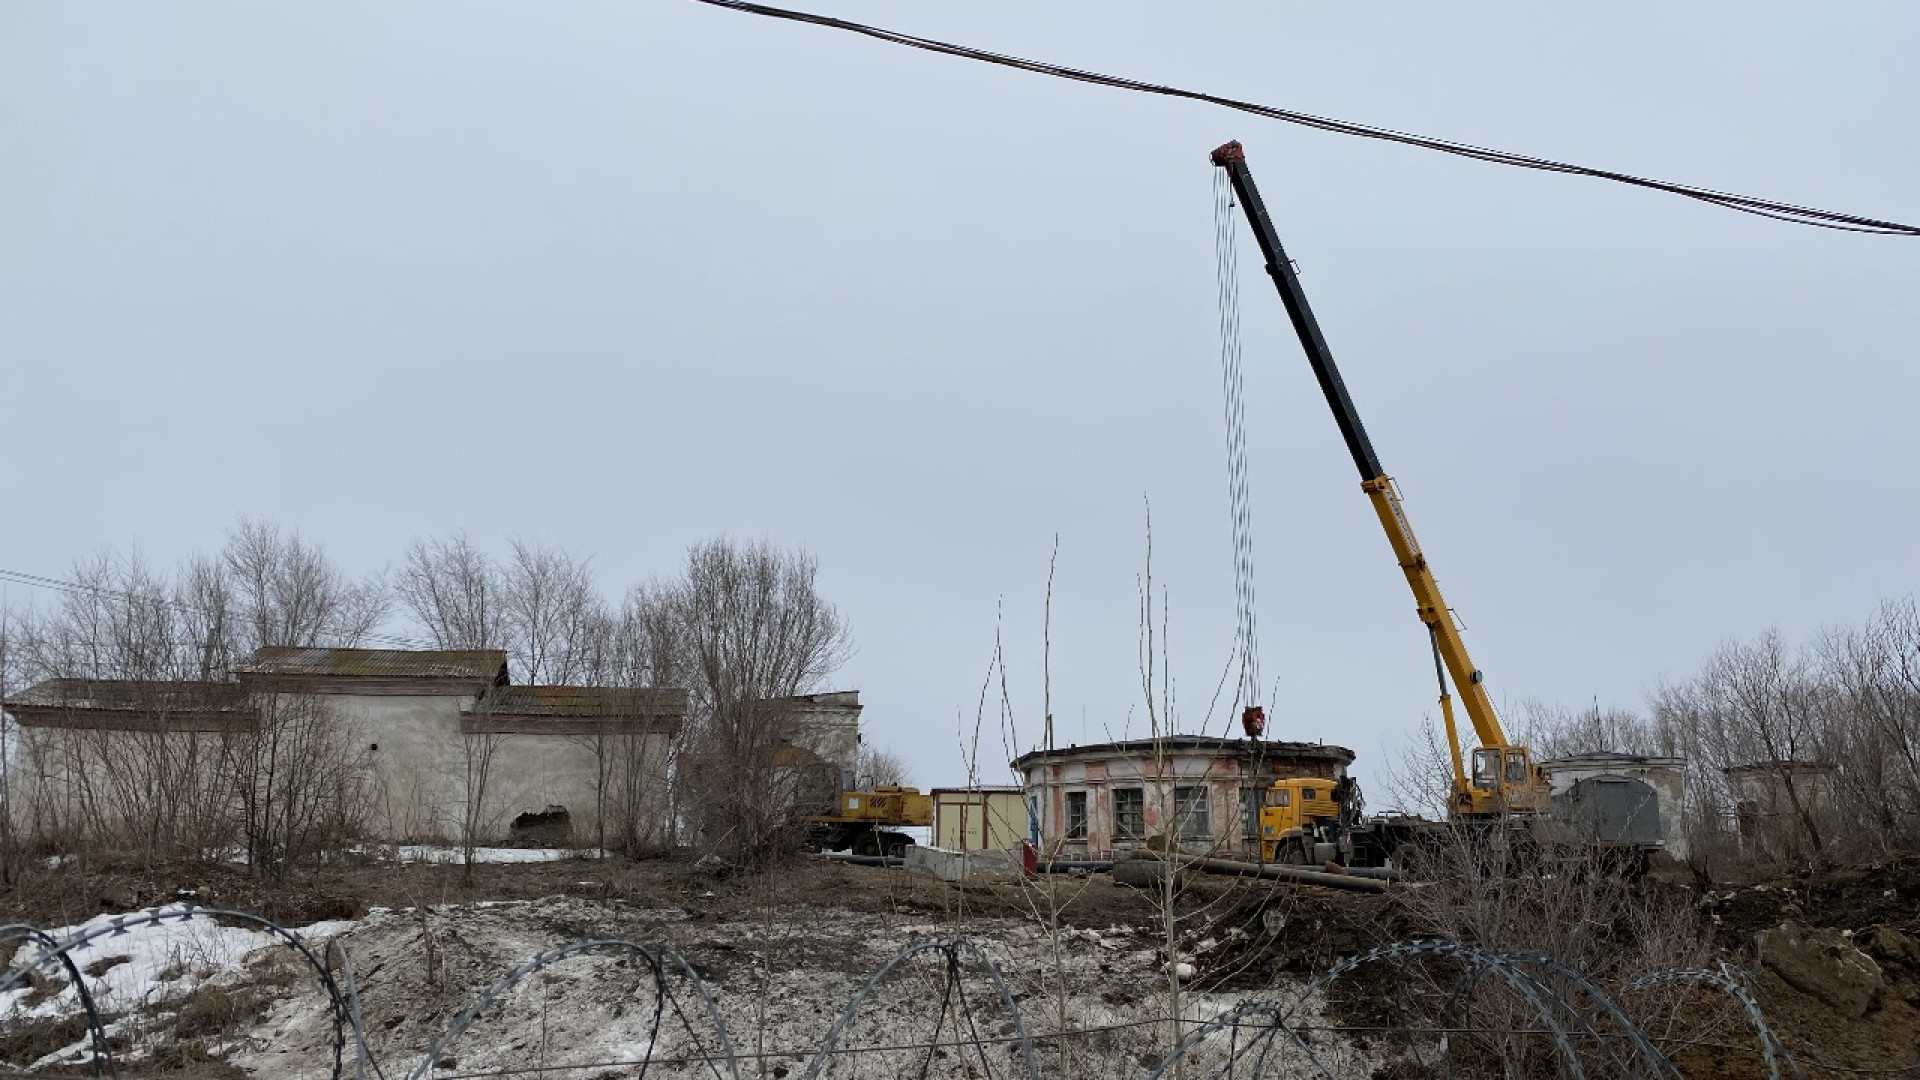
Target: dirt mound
1835 958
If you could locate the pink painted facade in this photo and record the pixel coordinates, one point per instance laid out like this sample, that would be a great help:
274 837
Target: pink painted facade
1098 800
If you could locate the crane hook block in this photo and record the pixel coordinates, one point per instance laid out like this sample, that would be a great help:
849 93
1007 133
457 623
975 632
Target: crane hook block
1254 720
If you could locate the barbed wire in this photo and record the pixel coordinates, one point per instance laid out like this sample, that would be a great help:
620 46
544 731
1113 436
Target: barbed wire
1583 1023
1734 981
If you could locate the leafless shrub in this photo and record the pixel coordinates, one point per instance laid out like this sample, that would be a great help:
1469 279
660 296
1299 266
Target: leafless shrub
161 646
10 853
302 782
477 818
1496 889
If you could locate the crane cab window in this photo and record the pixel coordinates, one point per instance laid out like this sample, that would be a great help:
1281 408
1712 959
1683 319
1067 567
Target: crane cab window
1486 769
1279 797
1516 767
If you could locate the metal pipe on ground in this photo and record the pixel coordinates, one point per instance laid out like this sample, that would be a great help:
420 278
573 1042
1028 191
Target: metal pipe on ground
1282 872
1066 866
861 860
1378 873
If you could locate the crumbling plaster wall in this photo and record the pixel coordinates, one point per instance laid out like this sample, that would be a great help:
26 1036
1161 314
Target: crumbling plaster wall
1157 782
423 763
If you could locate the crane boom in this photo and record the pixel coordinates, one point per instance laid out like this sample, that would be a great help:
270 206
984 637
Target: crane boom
1496 787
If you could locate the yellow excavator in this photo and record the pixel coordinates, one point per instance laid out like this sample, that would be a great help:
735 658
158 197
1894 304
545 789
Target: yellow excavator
838 811
859 821
1503 780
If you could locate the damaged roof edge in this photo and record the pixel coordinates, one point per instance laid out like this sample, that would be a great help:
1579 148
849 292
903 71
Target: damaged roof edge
138 695
1211 744
275 661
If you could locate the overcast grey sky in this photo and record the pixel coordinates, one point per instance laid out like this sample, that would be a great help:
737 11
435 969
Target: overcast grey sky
619 276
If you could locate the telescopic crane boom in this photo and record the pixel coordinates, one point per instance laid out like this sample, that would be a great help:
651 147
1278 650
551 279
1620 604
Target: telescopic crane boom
1503 779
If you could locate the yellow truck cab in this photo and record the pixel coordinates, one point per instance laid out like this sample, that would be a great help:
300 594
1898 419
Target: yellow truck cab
1296 817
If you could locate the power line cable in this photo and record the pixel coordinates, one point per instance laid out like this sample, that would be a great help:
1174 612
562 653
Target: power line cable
79 589
1768 208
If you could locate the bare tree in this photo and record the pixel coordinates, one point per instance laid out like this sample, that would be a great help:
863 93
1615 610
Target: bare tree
630 786
1755 705
159 790
1420 779
1553 731
745 626
556 626
643 647
878 768
1875 672
540 606
453 590
120 620
286 592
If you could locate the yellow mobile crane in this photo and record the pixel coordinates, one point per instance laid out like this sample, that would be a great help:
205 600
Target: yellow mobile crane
1504 780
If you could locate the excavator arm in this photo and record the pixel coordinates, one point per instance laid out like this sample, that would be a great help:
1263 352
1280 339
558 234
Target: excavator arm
1503 778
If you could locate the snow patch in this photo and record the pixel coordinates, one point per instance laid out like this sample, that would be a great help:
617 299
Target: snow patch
421 853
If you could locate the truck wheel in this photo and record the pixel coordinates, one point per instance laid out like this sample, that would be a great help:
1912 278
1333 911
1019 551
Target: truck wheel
1293 853
866 844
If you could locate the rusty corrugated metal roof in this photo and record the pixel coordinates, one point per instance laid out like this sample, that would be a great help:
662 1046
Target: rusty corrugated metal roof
133 695
288 660
581 701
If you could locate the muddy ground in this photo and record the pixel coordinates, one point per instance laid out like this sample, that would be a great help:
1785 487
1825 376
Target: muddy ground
784 954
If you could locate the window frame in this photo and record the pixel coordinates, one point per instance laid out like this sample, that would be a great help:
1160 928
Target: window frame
1187 824
1484 778
1133 824
1074 814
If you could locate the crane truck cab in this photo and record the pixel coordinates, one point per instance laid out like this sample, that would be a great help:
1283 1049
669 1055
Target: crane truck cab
1297 818
1313 821
1504 781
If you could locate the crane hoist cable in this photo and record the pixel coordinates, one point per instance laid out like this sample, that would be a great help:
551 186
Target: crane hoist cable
1232 385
